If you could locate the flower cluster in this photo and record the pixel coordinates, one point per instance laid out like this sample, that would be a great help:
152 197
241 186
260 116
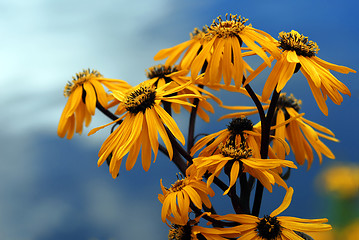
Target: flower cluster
236 159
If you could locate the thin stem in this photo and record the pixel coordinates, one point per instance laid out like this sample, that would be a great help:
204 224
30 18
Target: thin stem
236 201
192 121
106 112
216 223
265 139
245 193
256 101
177 159
178 147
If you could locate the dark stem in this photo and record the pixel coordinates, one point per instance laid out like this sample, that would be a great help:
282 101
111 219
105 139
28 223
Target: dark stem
236 201
176 146
265 140
106 112
245 193
177 159
216 223
192 121
256 101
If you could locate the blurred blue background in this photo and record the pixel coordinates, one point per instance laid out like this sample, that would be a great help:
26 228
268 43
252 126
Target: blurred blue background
51 188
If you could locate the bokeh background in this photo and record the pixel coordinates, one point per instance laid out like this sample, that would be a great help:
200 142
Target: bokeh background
51 188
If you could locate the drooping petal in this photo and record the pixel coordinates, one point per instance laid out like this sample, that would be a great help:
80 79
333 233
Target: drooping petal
90 97
170 123
233 176
201 57
286 202
332 66
195 198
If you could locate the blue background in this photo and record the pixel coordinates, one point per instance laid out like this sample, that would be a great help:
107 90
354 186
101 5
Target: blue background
51 188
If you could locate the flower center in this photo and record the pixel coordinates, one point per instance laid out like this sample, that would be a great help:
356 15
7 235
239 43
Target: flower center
177 186
238 125
198 34
285 101
293 41
178 232
290 101
229 28
160 71
235 151
268 228
79 80
140 99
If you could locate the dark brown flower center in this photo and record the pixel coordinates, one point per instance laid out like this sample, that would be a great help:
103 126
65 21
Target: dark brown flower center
290 101
268 228
231 27
178 232
160 71
238 125
80 79
235 151
293 41
140 99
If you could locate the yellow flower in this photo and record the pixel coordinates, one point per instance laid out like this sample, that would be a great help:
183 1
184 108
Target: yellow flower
172 54
143 118
343 180
242 129
84 92
302 134
235 158
162 74
299 53
273 227
222 50
177 199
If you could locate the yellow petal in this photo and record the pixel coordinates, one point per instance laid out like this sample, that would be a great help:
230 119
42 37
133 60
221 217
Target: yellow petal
74 101
317 95
152 133
286 202
146 148
272 80
286 73
256 72
292 57
158 124
332 66
309 69
195 198
170 123
201 57
233 176
133 155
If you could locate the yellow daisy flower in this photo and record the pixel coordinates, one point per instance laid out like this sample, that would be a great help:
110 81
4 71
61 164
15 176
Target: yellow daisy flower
84 92
342 180
235 158
302 134
177 199
162 74
143 118
241 128
273 227
222 50
299 53
193 46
